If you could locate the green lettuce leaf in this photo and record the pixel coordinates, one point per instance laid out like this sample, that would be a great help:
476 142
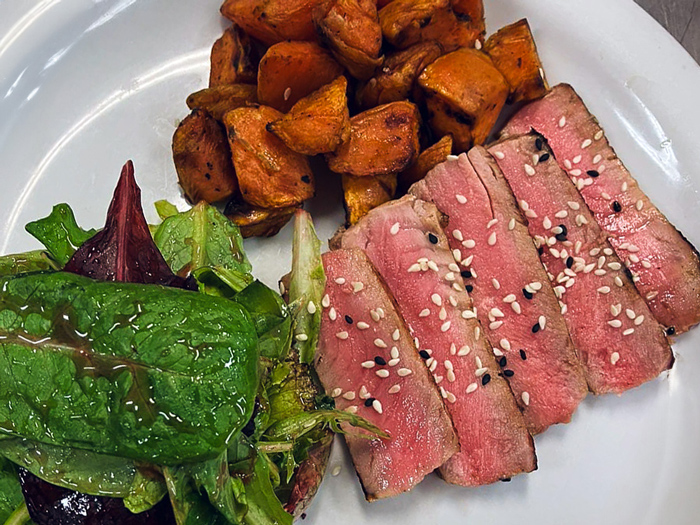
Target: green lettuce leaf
190 507
201 237
160 375
264 508
306 286
220 282
10 490
35 261
60 233
226 493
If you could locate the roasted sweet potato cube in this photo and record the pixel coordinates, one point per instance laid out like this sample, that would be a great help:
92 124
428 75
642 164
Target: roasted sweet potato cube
272 21
219 100
270 175
396 78
362 194
407 22
426 161
317 123
382 140
382 3
232 59
463 89
514 53
289 71
350 28
203 159
472 13
258 222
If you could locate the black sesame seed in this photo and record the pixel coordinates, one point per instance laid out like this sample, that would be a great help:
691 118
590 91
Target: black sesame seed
469 288
670 330
432 238
564 230
536 328
485 379
348 319
306 179
508 373
506 480
538 144
466 274
544 158
380 360
424 354
523 355
569 261
592 173
561 237
528 295
369 401
540 250
502 361
616 207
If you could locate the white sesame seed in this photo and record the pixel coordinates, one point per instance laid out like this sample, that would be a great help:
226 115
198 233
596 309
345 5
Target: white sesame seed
563 309
468 262
395 228
615 323
530 214
562 122
364 393
586 143
451 376
496 312
342 335
368 364
535 159
577 159
340 281
597 159
496 284
491 223
536 286
287 93
357 286
445 326
529 170
630 313
463 351
607 251
453 267
492 239
573 205
546 223
499 155
457 235
395 389
450 276
379 343
639 320
604 289
282 288
614 310
394 352
526 398
311 307
618 281
554 252
481 371
414 268
383 373
629 331
614 358
332 314
567 164
561 214
461 199
477 332
433 266
424 313
497 352
443 314
495 325
516 307
336 392
301 337
403 372
456 287
639 205
570 283
468 314
652 295
509 298
505 344
393 362
478 362
436 299
575 172
600 273
433 366
457 255
351 409
349 396
448 364
634 258
377 405
452 299
471 388
375 316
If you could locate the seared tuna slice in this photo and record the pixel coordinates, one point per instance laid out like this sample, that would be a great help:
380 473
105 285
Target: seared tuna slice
664 264
405 242
366 360
509 286
620 342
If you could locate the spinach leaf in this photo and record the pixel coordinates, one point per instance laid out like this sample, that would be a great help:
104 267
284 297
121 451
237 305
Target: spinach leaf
10 490
60 233
145 493
264 508
297 426
226 493
26 262
165 209
220 282
201 237
189 505
307 285
155 374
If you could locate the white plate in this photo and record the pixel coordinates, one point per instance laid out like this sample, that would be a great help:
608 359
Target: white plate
87 84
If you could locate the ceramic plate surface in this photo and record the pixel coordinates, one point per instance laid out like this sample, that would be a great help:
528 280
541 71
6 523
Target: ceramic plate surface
87 84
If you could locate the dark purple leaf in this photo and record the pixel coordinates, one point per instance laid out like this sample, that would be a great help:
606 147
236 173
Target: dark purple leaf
124 250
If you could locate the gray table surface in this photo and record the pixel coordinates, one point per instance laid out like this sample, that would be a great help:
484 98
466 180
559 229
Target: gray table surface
681 18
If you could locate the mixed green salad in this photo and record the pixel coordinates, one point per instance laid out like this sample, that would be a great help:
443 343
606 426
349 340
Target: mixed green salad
147 371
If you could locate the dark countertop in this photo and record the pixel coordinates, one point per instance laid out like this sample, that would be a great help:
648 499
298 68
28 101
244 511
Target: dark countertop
681 18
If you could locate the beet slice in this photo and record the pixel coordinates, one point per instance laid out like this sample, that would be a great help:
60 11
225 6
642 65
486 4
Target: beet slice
367 361
665 266
124 250
620 342
510 287
405 242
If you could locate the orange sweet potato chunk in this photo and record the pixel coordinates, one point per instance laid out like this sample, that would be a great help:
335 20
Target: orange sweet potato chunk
258 222
270 175
362 194
232 59
458 102
219 100
407 22
272 21
203 159
395 80
289 71
382 140
426 161
350 28
317 123
514 53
